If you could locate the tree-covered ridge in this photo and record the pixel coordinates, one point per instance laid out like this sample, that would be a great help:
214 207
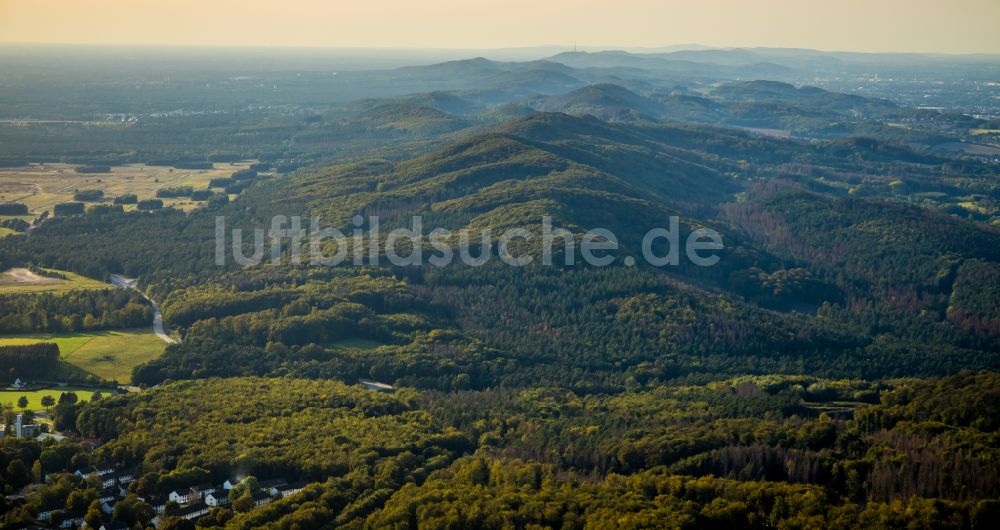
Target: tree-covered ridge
302 321
73 311
913 263
438 332
681 165
974 297
492 494
882 244
633 322
747 452
807 282
933 439
807 469
268 427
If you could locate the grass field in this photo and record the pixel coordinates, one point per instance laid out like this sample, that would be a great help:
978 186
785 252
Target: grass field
6 231
41 186
107 354
35 397
26 218
24 281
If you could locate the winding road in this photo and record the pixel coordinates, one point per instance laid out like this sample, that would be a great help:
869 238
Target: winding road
131 283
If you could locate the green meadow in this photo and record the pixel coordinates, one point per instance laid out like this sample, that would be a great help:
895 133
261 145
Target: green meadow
109 355
16 281
10 397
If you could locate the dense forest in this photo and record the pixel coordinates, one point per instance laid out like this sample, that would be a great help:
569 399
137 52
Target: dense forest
808 282
29 359
747 452
73 311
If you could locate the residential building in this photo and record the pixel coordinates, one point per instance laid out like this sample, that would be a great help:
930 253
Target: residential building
217 498
108 493
45 512
291 489
71 519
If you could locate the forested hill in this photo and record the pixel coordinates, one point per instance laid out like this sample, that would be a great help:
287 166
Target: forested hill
812 279
746 452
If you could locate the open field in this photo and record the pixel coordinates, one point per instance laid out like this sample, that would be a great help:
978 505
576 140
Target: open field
6 231
772 133
41 186
25 281
968 148
26 218
109 355
67 342
35 396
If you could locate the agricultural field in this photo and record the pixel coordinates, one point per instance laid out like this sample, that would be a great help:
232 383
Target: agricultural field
110 355
42 186
35 396
24 281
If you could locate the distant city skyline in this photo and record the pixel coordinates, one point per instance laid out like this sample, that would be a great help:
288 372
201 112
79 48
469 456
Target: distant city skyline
921 26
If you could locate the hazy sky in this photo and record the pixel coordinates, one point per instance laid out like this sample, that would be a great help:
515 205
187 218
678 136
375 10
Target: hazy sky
865 25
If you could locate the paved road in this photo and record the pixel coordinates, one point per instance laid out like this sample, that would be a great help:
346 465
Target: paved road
132 283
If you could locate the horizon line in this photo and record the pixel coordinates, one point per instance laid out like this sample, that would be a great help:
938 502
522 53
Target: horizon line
585 48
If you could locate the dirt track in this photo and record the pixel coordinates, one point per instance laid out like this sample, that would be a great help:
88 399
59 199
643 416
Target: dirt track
25 276
130 283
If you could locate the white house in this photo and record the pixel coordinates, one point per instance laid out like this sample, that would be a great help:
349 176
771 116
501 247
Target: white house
193 511
19 385
124 477
191 494
217 498
180 496
199 491
72 520
291 489
106 473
